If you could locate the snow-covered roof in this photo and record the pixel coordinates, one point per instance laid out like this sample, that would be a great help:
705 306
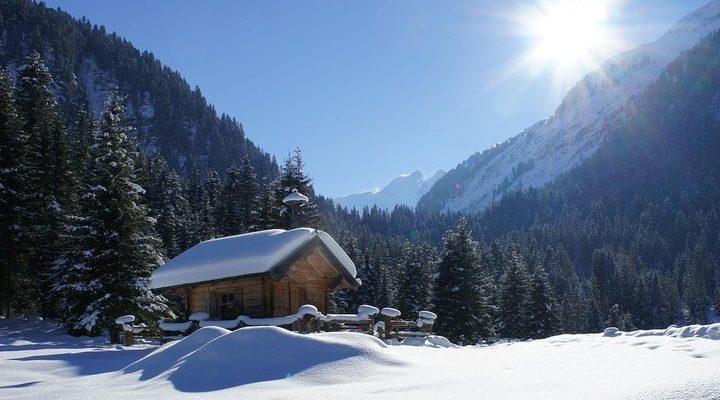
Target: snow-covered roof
240 255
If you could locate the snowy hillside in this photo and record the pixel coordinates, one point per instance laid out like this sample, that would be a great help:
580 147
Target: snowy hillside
405 189
38 362
553 146
87 63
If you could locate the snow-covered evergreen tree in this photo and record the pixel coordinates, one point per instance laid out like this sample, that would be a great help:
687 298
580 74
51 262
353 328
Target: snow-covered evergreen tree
268 209
81 139
248 202
199 223
341 300
573 312
240 202
464 316
231 220
416 287
49 176
369 274
104 274
214 212
512 314
13 146
543 309
293 176
382 295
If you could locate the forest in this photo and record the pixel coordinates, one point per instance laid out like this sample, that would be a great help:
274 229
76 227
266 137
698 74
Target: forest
91 200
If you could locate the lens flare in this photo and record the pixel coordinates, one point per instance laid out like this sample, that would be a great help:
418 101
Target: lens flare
567 38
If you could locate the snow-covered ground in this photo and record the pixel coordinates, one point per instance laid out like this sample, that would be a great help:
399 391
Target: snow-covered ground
37 361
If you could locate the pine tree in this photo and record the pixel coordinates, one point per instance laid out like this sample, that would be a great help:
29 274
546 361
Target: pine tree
603 270
594 314
512 318
698 303
416 287
268 209
13 147
213 189
573 312
75 281
394 270
292 176
543 309
104 274
618 319
614 317
248 202
199 222
194 191
166 204
49 176
341 300
232 222
81 139
369 274
381 260
460 295
173 215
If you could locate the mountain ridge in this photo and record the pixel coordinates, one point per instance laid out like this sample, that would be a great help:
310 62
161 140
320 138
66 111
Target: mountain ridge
405 189
575 131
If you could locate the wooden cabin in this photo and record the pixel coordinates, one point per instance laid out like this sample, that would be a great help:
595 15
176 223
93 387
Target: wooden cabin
261 274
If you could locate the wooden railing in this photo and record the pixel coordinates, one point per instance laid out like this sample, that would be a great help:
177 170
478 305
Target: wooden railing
385 323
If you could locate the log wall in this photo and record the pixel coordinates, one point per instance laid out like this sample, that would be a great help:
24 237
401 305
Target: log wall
307 281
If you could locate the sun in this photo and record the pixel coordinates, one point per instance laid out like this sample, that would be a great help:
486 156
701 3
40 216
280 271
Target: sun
568 37
569 32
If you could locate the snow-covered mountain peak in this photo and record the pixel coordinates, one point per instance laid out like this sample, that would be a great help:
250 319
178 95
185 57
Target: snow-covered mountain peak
415 176
555 145
405 189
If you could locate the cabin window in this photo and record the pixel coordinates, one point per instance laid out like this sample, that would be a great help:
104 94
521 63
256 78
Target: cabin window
226 299
225 305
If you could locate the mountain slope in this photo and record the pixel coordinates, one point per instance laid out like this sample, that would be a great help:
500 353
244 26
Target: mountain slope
650 194
172 119
576 130
405 189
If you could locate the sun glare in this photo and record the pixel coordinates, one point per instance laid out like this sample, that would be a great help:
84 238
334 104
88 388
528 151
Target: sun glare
567 37
569 32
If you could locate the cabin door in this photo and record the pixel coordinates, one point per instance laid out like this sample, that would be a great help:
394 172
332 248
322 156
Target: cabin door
298 297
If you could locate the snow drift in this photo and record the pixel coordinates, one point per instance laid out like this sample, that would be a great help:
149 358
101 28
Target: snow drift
169 355
711 331
213 358
38 362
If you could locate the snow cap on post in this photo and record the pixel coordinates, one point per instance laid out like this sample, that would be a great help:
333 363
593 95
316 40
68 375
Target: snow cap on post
295 199
125 319
307 309
424 314
611 332
366 310
390 312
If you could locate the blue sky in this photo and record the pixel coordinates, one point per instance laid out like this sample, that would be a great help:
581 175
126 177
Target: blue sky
367 89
